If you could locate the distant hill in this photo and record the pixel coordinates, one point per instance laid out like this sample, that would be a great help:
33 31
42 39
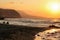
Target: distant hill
25 15
9 13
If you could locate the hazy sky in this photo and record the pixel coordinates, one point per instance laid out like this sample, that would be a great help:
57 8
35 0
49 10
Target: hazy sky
44 8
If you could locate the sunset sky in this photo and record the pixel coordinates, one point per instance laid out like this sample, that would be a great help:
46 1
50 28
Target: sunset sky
40 8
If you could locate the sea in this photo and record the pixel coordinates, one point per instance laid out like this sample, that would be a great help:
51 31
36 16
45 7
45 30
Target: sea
42 22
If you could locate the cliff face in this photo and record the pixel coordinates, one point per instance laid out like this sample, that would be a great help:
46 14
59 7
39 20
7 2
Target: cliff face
9 13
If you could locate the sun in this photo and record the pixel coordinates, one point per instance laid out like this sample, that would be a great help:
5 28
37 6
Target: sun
53 7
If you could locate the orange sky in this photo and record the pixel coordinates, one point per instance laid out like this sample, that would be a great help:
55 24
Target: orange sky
44 8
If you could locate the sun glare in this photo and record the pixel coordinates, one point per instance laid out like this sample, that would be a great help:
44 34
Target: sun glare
53 7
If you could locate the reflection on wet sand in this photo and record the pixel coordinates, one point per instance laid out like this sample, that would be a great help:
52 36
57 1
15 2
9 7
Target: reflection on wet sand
52 34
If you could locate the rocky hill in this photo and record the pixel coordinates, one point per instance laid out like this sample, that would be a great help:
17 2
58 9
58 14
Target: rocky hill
9 13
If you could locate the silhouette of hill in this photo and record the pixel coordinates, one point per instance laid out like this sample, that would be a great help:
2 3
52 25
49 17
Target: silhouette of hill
9 13
25 15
